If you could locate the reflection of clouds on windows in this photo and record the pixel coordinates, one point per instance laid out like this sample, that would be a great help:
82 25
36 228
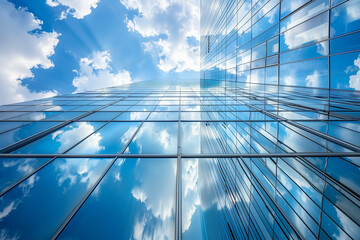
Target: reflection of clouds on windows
156 190
28 184
71 171
347 224
353 12
322 48
156 138
5 235
7 210
67 138
313 80
354 80
117 175
191 197
295 38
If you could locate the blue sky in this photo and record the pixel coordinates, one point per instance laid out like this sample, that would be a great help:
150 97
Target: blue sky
51 47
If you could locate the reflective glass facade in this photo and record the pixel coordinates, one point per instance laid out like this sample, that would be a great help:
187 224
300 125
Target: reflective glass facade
266 145
288 75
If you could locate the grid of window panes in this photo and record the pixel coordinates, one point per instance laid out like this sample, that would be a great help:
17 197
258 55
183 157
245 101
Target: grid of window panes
287 43
286 75
148 155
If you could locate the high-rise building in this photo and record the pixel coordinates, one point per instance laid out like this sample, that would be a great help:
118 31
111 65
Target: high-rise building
266 145
289 73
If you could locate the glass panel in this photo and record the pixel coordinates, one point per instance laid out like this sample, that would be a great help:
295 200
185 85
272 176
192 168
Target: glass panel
6 126
164 116
345 71
313 51
190 137
266 22
13 170
37 207
311 73
192 221
62 139
24 132
308 32
288 6
101 116
132 116
136 194
345 18
311 10
155 138
346 43
110 139
259 52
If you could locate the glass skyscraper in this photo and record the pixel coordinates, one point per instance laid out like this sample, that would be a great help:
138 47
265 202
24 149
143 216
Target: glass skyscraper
265 145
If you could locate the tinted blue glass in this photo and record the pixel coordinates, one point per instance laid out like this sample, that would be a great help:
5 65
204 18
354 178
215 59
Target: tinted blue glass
133 116
190 137
5 126
346 43
313 51
350 174
192 225
112 138
34 116
345 18
288 6
61 140
138 195
310 10
308 32
258 76
156 138
312 73
66 115
272 46
272 75
40 204
24 132
266 22
345 71
259 52
13 170
102 116
164 116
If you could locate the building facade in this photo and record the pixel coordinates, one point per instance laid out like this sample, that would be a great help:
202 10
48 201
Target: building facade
264 146
293 66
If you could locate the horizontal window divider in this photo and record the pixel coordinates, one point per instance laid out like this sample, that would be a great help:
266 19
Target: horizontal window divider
224 155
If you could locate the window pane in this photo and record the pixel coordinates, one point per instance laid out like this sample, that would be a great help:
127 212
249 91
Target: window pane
131 196
40 204
61 140
345 71
345 18
155 138
311 73
308 32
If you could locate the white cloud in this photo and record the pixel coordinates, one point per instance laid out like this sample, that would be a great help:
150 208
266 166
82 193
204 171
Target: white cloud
7 210
355 79
313 80
76 133
21 50
179 21
77 8
95 72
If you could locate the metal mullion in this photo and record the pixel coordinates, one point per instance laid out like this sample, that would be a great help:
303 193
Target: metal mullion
178 205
